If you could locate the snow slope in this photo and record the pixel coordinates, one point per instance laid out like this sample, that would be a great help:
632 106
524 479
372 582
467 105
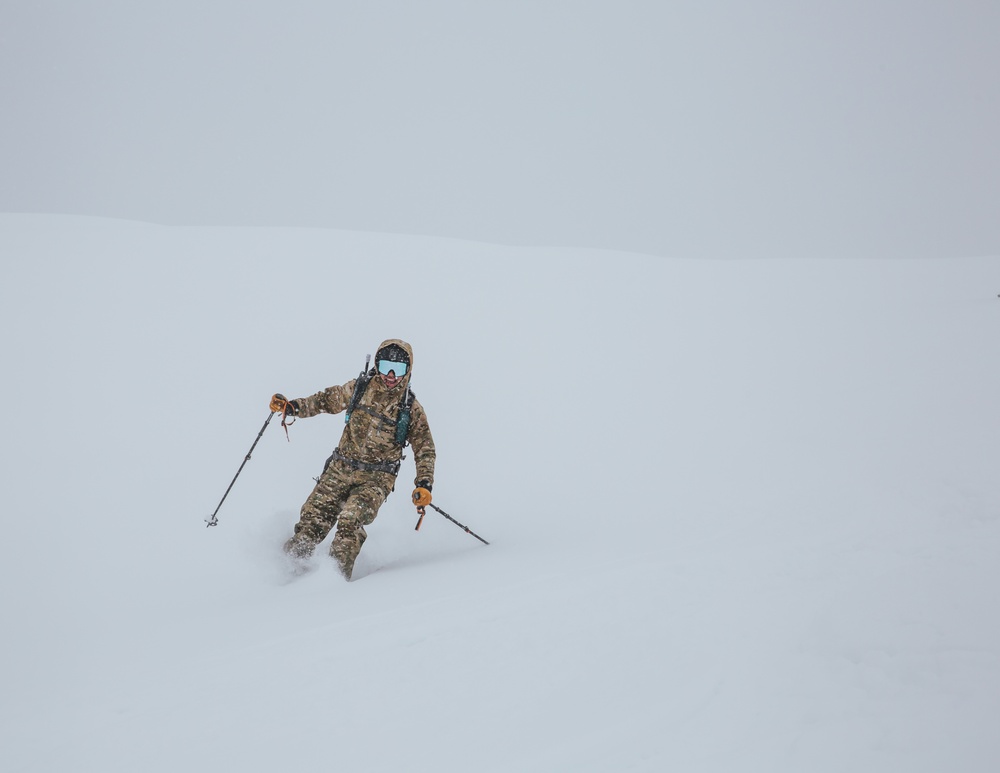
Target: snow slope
743 515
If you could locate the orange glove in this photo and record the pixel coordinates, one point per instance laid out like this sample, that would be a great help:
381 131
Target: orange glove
421 496
278 403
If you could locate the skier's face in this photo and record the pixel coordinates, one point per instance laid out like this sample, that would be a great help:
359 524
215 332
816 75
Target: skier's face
391 372
389 379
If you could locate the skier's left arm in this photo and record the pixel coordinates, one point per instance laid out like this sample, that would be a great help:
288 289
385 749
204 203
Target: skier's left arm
422 443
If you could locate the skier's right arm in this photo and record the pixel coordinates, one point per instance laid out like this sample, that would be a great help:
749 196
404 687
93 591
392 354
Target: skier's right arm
332 400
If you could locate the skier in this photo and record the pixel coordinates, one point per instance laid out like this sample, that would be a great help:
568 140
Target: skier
382 418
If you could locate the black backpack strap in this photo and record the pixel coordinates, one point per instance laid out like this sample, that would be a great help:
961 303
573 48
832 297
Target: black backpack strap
359 389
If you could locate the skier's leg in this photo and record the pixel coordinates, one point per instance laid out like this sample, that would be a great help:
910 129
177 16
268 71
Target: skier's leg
318 515
359 510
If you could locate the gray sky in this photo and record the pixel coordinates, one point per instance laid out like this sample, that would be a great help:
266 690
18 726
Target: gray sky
777 127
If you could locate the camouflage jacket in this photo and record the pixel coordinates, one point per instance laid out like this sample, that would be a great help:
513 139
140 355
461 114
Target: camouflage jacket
370 435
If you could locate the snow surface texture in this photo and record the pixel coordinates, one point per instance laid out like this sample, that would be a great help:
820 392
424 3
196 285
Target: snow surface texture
744 515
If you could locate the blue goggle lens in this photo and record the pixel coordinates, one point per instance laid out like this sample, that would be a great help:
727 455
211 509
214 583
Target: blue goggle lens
384 366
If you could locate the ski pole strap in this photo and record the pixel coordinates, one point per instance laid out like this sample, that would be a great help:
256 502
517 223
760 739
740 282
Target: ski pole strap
286 424
422 512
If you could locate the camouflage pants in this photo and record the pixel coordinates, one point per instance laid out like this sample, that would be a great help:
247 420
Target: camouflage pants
347 498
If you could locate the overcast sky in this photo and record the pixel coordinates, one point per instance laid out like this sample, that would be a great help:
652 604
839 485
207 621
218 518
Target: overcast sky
776 127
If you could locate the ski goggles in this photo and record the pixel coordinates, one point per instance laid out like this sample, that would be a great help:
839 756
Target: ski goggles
384 366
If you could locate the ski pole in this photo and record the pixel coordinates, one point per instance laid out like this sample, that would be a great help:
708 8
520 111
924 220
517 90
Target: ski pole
212 520
460 525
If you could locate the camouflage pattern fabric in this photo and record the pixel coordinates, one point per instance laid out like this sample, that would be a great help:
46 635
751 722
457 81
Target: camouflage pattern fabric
348 497
371 434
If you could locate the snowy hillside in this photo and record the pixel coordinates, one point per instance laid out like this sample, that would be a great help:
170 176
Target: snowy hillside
743 515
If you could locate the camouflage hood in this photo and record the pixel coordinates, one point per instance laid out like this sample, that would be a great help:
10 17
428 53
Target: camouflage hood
403 382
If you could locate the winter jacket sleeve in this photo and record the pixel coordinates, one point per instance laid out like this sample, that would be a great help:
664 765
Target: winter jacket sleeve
332 400
422 443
